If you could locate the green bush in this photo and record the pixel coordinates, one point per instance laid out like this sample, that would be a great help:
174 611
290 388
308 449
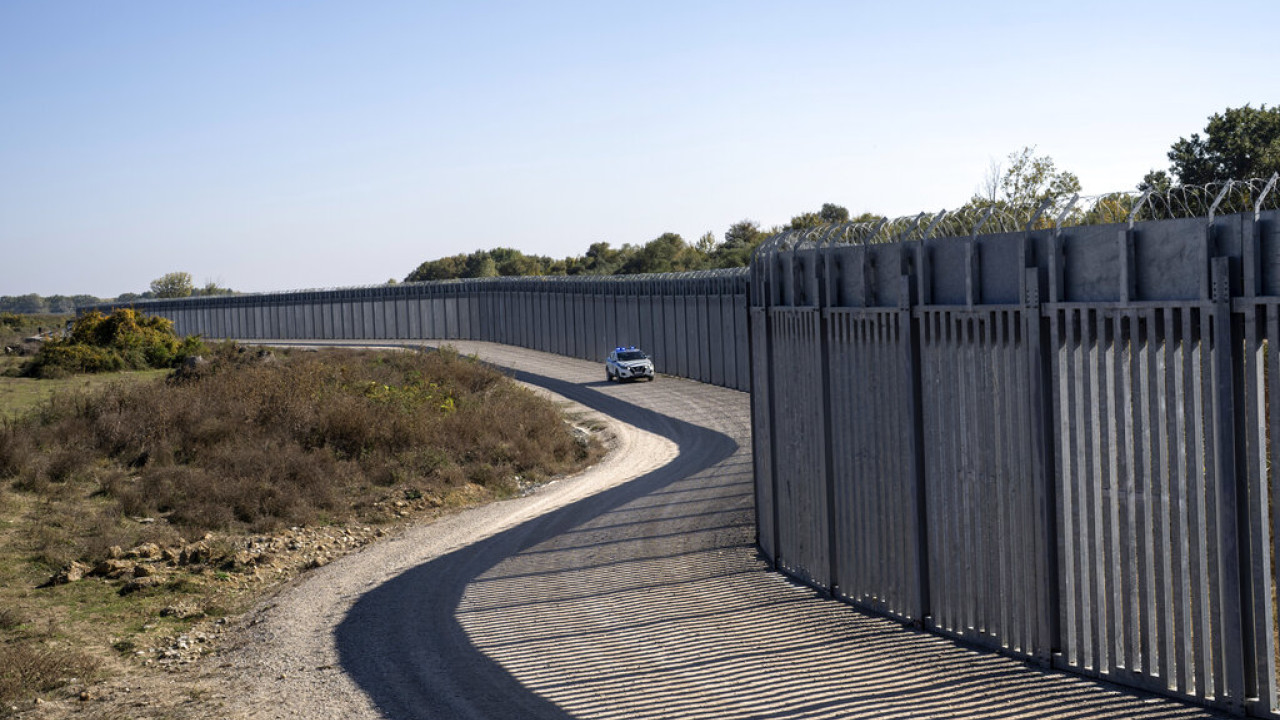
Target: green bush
57 359
123 340
12 321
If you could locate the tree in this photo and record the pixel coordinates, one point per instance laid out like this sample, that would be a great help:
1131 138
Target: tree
740 240
744 233
511 262
213 288
31 304
804 221
1031 179
990 190
1156 181
480 264
173 285
828 215
706 243
601 259
1022 187
1239 143
60 304
445 268
666 253
831 213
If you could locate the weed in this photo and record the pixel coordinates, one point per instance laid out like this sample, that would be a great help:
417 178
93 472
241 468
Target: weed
11 619
30 666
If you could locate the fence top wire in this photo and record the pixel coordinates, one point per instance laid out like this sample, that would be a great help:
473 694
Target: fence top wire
1255 195
727 274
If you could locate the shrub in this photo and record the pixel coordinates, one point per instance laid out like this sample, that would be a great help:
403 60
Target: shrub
11 321
123 340
252 441
10 619
28 667
16 450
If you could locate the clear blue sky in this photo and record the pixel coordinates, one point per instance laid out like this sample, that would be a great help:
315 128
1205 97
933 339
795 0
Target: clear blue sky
277 145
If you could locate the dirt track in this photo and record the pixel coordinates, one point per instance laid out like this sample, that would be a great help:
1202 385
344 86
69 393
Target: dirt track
633 591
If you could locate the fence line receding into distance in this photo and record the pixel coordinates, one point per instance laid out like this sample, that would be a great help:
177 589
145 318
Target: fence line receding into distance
693 324
1045 430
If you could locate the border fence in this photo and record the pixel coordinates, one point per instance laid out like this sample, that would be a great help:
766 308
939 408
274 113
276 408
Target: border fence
1052 441
692 324
1052 438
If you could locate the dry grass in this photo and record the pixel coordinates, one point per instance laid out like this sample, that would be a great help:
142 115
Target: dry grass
19 395
31 667
250 444
253 443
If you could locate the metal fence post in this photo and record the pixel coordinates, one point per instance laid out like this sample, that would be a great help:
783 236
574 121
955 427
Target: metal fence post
911 368
772 412
1235 665
822 300
1041 413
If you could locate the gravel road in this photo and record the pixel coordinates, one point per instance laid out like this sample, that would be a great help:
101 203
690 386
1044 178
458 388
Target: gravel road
631 591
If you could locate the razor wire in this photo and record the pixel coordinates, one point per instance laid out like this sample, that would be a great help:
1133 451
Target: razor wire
1252 196
624 284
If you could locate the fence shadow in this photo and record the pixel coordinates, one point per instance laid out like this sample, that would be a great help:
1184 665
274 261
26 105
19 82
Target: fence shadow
649 600
403 642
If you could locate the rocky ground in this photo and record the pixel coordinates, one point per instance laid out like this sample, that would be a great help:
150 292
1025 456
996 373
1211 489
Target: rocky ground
158 679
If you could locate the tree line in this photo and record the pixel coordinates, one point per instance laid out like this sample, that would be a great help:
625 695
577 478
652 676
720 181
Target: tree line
1237 144
669 252
169 285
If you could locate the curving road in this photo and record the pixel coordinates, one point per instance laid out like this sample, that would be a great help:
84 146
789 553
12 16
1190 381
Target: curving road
634 591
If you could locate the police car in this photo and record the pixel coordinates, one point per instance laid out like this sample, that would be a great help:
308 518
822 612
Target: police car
628 363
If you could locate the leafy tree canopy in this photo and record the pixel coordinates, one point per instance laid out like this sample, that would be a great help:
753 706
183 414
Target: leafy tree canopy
1029 180
173 285
487 263
829 214
1022 184
1239 143
666 253
740 240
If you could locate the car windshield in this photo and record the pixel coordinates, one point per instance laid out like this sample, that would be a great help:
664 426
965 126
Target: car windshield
631 355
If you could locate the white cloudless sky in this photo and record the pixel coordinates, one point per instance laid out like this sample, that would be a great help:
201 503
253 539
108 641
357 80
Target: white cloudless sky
279 145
